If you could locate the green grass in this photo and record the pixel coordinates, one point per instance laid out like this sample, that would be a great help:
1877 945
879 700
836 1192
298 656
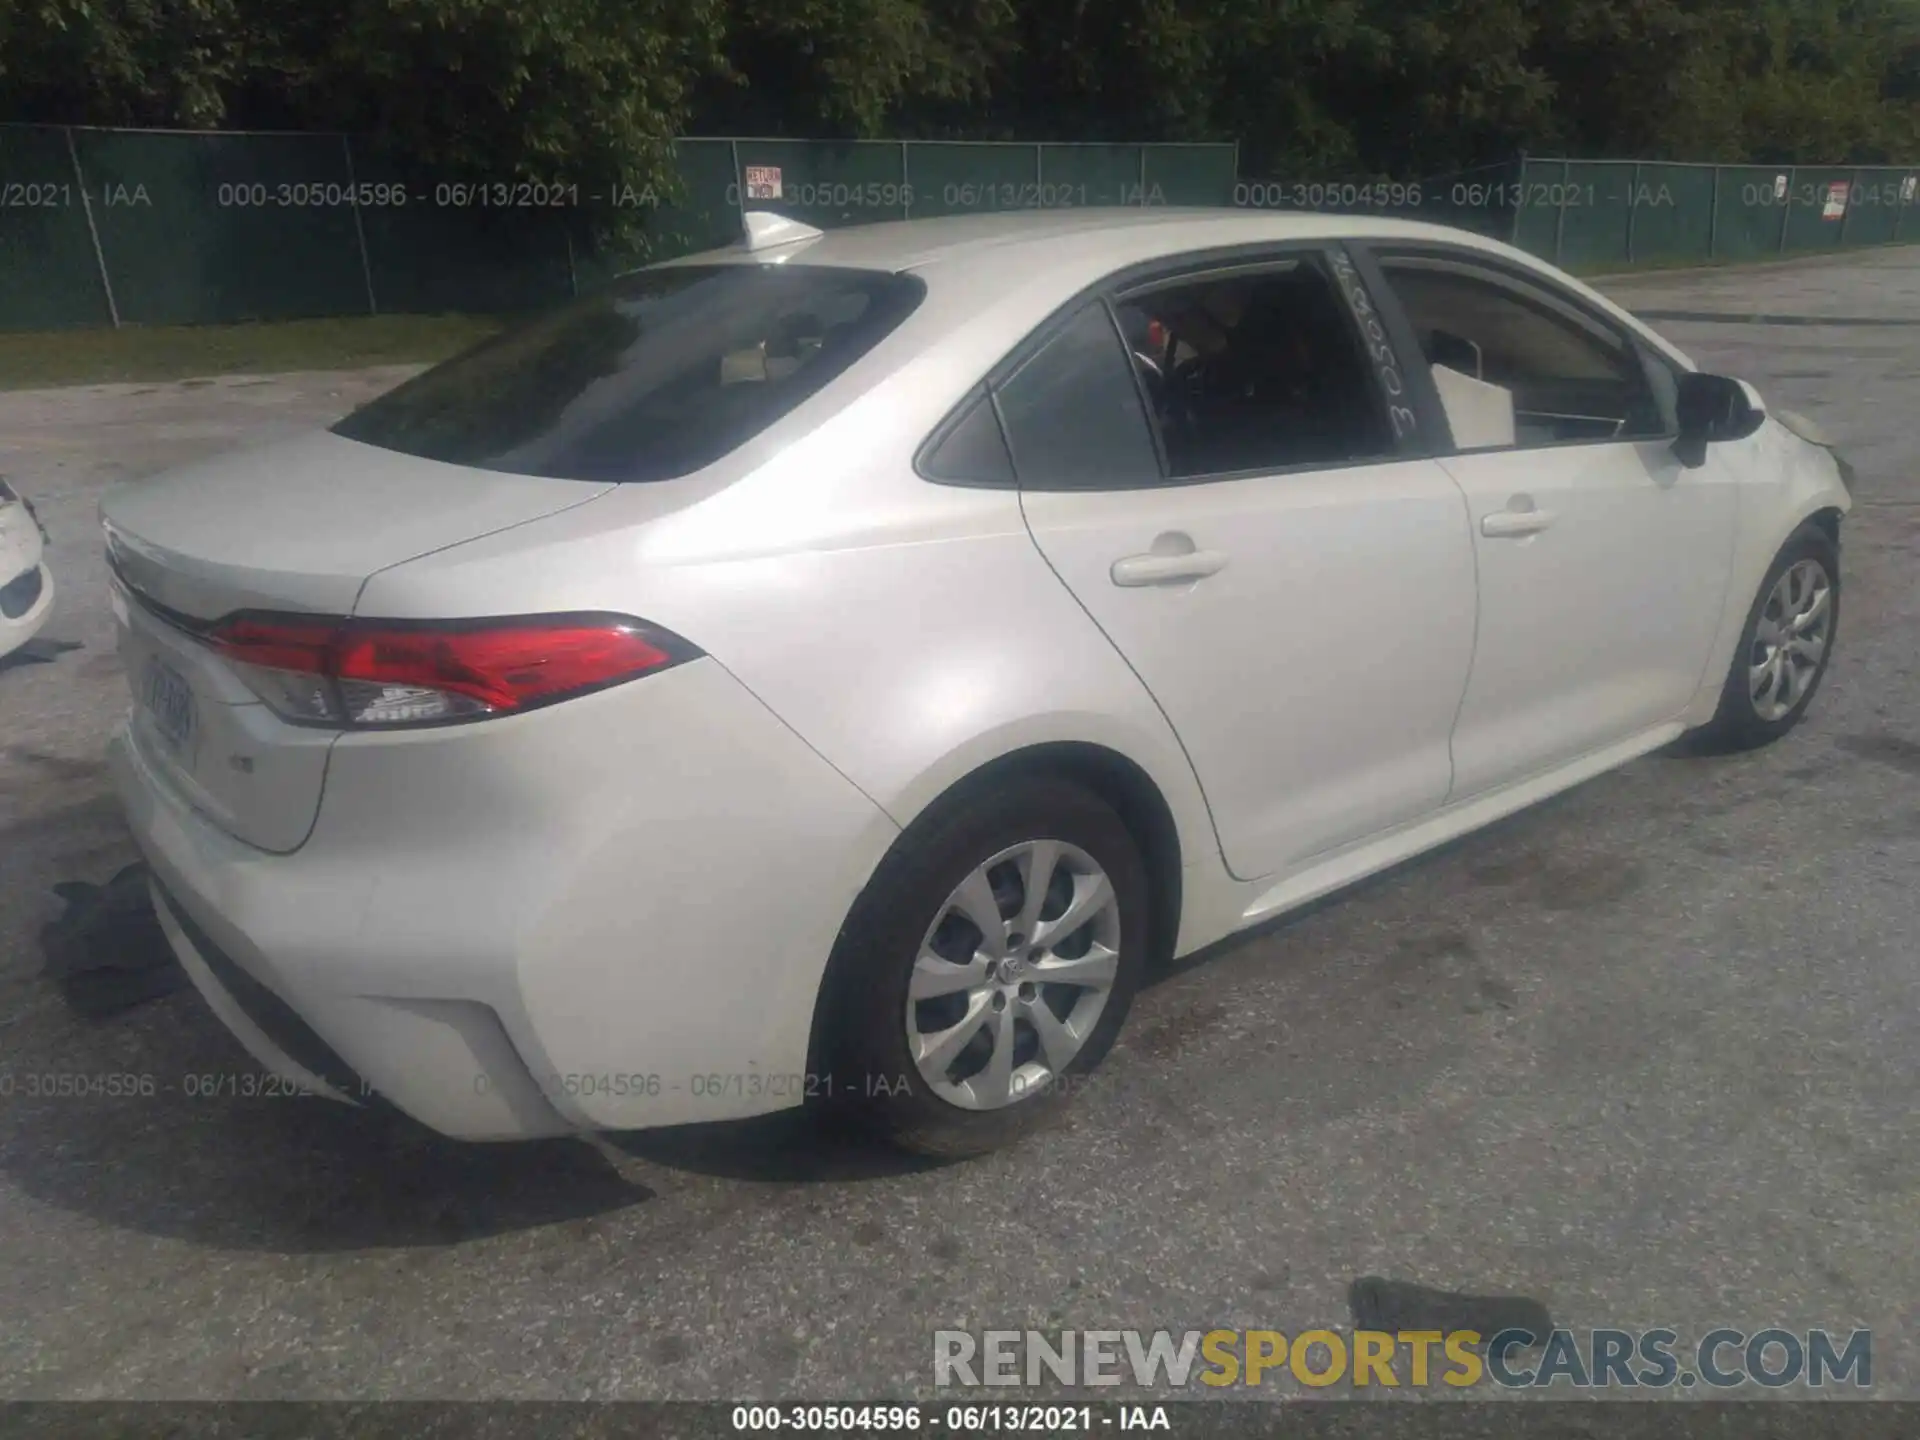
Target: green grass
35 359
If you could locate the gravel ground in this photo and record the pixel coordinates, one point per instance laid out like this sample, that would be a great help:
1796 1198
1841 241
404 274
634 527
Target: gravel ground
1646 1054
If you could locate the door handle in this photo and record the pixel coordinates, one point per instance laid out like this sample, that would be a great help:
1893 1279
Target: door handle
1152 569
1515 524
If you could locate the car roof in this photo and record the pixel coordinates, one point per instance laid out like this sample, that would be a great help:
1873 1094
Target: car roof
1118 235
977 257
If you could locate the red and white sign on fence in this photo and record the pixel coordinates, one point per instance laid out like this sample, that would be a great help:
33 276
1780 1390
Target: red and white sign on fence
1836 206
763 182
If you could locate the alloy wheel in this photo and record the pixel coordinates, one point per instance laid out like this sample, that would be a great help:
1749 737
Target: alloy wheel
1013 974
1790 640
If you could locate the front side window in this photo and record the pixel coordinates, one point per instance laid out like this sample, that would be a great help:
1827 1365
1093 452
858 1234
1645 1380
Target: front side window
1256 370
1664 381
1517 365
656 375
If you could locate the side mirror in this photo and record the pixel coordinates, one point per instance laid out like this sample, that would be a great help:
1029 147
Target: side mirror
1712 410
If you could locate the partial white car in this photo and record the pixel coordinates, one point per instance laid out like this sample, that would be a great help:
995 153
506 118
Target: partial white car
26 586
835 668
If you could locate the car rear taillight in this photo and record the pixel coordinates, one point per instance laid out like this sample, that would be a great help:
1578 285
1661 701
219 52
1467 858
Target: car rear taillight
384 673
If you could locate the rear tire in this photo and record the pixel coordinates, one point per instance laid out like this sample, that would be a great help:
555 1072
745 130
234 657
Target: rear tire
950 1039
1785 646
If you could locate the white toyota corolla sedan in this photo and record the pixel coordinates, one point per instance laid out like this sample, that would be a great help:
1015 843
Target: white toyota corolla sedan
837 667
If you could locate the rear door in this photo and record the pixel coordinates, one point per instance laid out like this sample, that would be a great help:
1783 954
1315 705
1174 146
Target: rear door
1603 562
1213 463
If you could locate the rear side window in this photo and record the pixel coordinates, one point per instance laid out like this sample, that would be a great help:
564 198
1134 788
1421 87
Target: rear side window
654 376
1073 413
972 450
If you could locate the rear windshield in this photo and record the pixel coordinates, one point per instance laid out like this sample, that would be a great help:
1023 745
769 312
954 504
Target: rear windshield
655 375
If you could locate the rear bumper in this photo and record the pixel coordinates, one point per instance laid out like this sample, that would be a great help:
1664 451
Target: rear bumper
270 1029
612 914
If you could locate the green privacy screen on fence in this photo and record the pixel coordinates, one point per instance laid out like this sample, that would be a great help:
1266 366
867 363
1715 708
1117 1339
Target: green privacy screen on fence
166 227
859 182
170 254
102 227
49 275
1593 213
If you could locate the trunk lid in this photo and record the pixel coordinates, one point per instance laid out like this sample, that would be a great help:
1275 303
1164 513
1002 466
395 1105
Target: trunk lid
300 525
297 526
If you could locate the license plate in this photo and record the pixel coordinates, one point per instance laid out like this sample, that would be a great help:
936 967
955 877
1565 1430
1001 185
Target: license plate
169 704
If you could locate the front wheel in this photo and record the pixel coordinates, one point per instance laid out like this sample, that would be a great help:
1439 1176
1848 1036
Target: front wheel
1786 646
990 964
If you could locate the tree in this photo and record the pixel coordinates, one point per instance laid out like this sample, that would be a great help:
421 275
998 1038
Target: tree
590 92
849 68
583 92
131 62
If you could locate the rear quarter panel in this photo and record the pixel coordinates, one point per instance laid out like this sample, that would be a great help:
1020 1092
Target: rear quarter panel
908 632
907 660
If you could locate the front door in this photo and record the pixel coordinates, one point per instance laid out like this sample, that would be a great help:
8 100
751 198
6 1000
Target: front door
1603 562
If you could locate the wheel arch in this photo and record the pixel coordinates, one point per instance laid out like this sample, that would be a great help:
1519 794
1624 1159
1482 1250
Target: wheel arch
1828 518
1807 485
1822 513
1116 778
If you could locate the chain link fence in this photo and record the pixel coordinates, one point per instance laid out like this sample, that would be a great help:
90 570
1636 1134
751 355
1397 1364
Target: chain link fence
123 227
